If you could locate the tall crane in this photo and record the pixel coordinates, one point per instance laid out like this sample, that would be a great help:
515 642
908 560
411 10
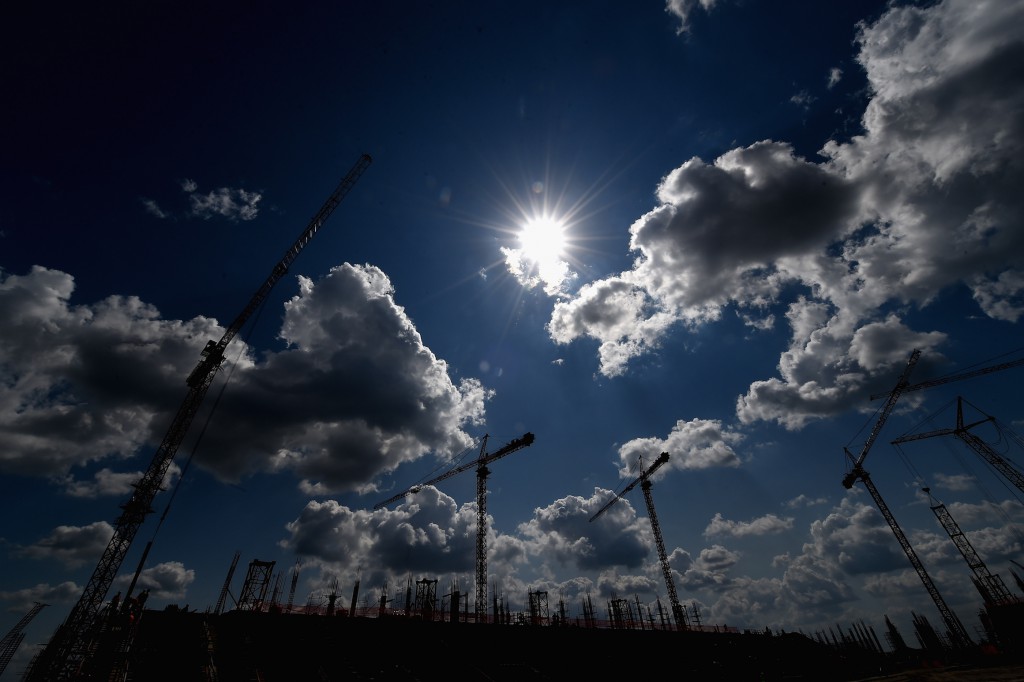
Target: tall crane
992 588
979 446
956 377
481 462
644 479
67 651
16 635
957 632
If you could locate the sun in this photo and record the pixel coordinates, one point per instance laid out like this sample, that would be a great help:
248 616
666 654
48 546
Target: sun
542 240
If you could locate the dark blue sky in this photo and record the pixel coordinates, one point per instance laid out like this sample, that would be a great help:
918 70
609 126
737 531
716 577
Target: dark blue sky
764 214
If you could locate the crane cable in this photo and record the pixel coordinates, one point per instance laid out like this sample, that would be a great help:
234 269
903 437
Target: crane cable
964 463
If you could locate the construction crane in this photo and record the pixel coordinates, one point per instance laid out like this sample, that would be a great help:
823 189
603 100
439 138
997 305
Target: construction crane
982 448
644 479
957 632
16 635
67 651
481 462
992 588
956 377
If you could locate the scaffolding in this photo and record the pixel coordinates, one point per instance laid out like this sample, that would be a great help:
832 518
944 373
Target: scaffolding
257 582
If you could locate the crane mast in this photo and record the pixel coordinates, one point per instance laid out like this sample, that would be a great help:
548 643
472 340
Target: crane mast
991 586
644 480
481 462
68 649
957 632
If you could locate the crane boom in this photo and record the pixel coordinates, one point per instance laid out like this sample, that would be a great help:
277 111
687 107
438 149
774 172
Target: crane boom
483 459
894 395
662 458
644 479
956 377
983 449
957 632
67 651
482 472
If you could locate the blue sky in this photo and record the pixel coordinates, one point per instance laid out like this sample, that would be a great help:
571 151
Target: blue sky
764 208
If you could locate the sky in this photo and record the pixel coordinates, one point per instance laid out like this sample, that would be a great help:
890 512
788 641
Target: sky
712 228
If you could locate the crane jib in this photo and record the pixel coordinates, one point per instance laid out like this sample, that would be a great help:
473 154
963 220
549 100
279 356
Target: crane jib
67 652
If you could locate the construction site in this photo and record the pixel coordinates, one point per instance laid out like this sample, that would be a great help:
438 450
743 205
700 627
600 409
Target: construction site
257 631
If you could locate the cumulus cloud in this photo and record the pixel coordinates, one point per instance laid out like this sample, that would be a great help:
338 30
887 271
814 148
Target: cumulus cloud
694 444
106 482
426 532
71 545
764 525
923 200
84 383
562 532
168 580
802 500
25 598
355 393
429 532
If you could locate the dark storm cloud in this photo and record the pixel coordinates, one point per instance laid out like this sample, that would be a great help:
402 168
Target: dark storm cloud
71 545
427 531
84 383
355 393
24 599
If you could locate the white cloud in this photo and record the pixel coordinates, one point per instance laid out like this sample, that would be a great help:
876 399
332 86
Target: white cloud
802 500
694 444
73 546
106 482
803 99
835 74
226 202
167 580
563 533
764 525
683 9
154 209
925 199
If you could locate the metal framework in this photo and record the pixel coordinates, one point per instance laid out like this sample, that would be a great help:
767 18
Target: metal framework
992 588
678 612
481 462
957 632
979 446
956 377
69 647
254 590
426 598
226 587
16 635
